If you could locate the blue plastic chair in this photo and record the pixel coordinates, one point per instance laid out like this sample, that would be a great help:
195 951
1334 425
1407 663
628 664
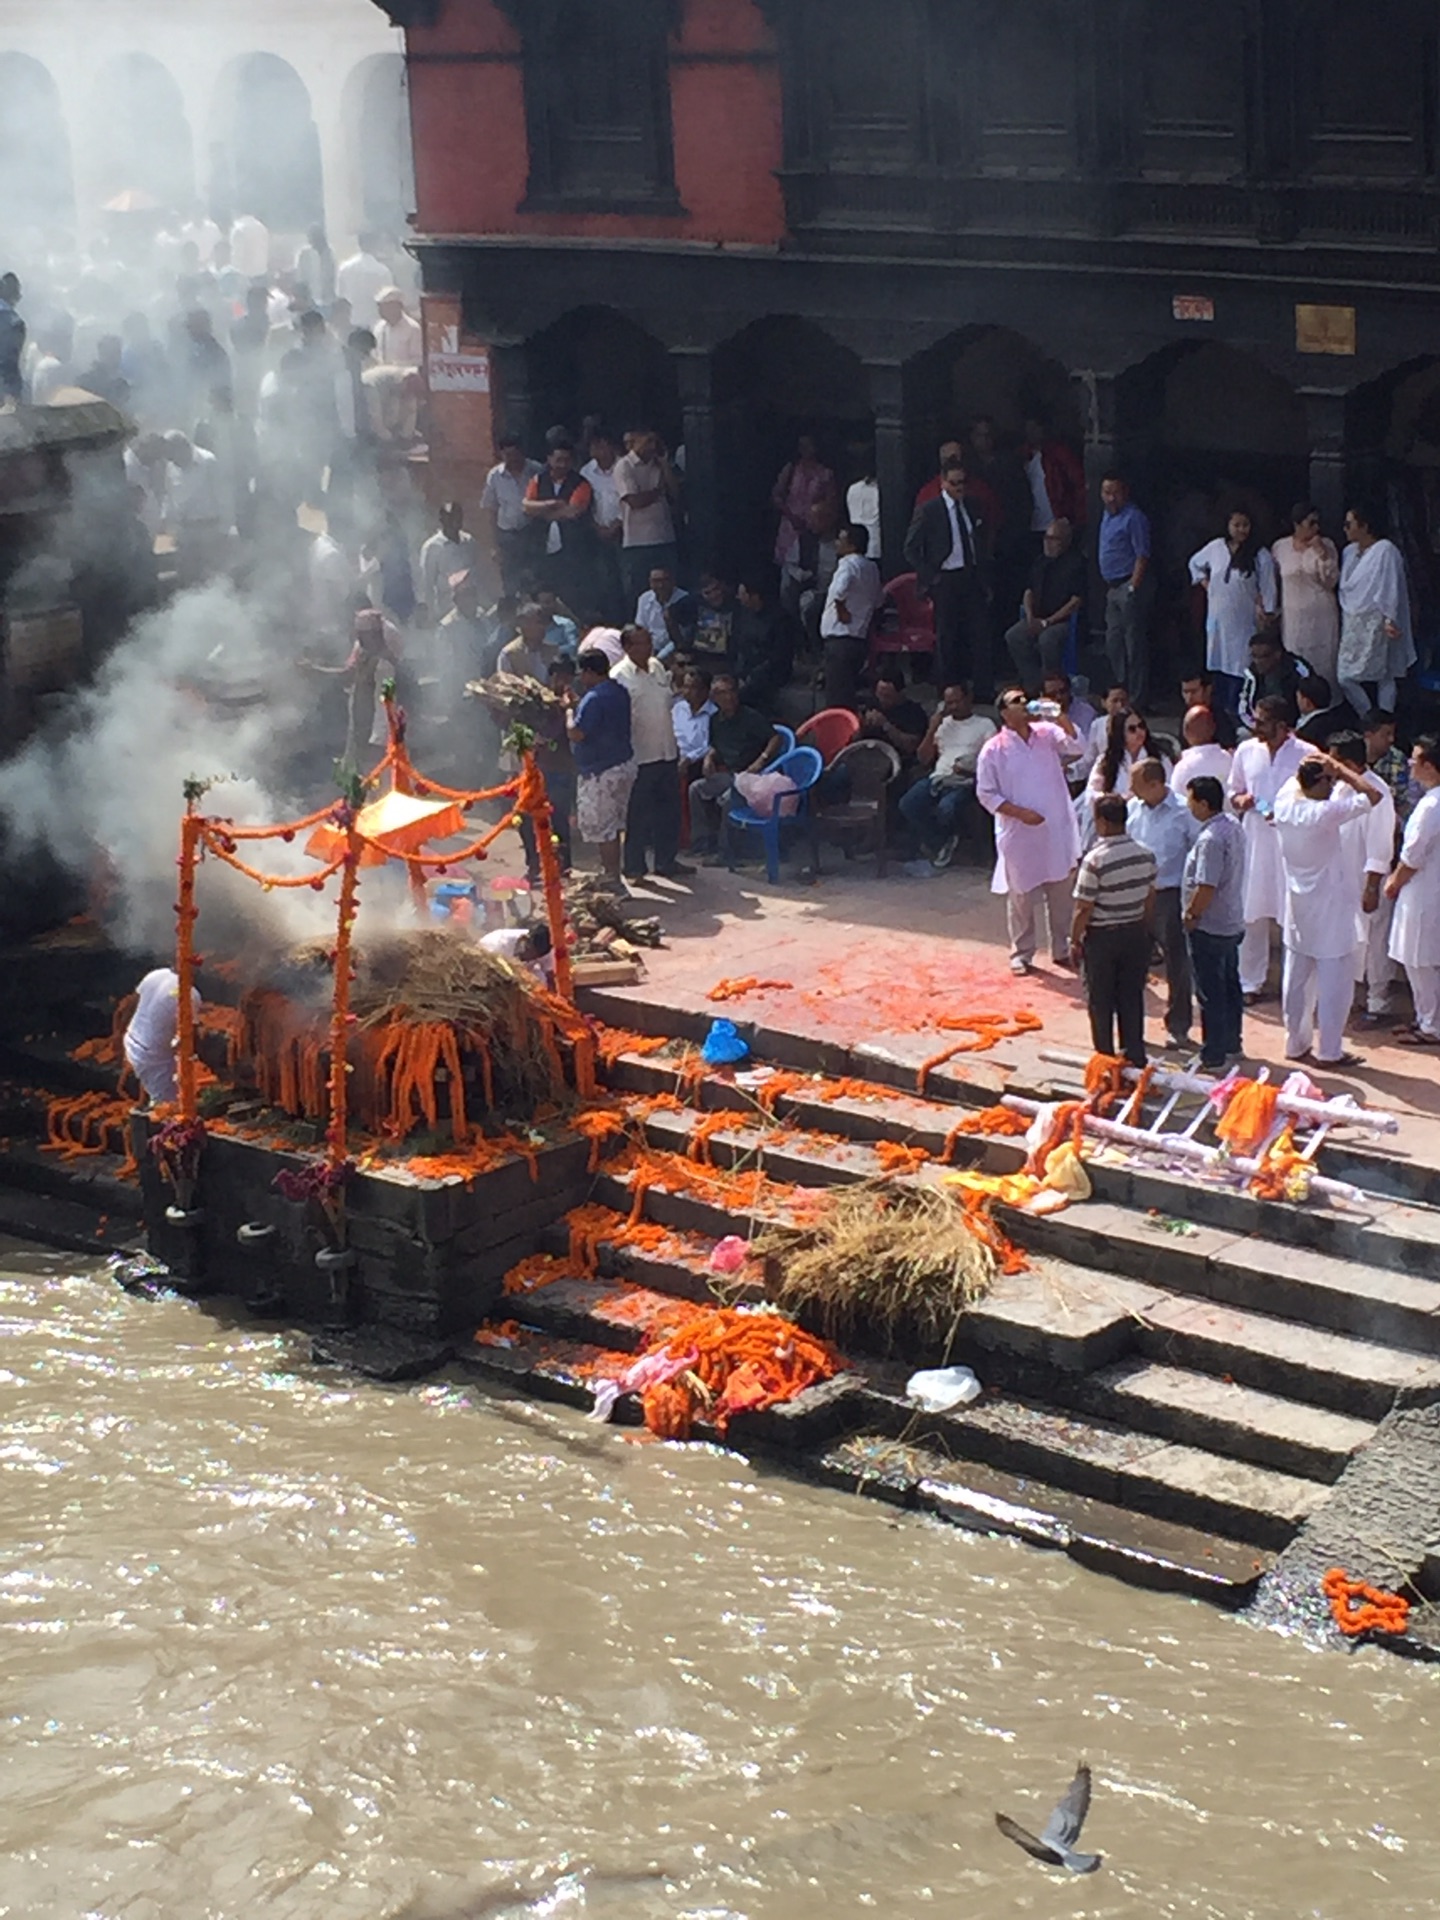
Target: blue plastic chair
804 766
787 738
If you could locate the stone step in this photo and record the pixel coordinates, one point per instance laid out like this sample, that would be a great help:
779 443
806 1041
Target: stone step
1132 1547
93 1179
70 1225
980 1496
1356 1377
1297 1283
1075 1318
1143 1472
1197 1409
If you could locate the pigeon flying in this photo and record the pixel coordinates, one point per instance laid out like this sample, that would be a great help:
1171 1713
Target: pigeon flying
1056 1844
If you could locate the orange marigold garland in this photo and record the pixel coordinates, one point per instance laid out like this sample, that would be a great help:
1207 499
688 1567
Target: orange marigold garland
1358 1608
986 1030
745 1361
737 989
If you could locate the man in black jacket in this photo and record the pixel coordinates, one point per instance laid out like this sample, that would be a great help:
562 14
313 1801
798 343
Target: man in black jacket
945 547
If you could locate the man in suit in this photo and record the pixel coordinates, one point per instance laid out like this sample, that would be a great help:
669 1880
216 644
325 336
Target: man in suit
945 547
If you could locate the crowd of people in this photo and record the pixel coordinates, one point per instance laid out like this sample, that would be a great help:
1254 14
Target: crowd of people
263 387
262 374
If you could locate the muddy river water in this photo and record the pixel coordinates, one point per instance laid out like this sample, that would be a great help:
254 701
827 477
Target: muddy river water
278 1643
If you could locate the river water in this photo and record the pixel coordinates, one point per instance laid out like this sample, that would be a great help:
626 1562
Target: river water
277 1643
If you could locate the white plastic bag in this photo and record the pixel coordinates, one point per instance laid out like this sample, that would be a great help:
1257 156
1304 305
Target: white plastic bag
939 1389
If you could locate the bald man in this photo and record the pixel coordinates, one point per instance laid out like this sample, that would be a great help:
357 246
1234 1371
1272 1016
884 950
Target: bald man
1203 755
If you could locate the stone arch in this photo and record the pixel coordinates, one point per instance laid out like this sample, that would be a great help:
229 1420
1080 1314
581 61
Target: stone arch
264 156
37 188
379 155
595 360
138 138
982 371
777 378
1200 429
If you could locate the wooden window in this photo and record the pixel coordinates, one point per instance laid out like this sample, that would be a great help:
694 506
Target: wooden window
597 95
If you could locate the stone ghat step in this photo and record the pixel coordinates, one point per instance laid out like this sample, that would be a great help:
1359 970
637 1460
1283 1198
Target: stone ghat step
72 1226
1370 1300
1174 1403
1185 1486
1351 1255
92 1179
1133 1547
1074 1319
980 1496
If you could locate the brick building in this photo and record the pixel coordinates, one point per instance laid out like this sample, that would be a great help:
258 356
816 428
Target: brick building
1206 241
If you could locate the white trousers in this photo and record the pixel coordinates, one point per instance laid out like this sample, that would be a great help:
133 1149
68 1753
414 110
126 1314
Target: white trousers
155 1072
1315 1000
1425 990
1255 955
1373 965
1021 916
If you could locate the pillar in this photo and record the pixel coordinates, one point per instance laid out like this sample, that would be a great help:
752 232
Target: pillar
510 361
693 370
887 399
1325 426
1095 397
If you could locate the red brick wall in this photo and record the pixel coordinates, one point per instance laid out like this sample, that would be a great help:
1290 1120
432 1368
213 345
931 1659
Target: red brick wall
469 119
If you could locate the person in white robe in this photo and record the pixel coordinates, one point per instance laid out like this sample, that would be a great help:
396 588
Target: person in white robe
1020 779
149 1042
1258 771
1242 589
1377 643
1414 887
1368 844
1322 903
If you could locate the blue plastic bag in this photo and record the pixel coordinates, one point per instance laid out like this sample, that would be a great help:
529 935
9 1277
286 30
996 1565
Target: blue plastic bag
723 1046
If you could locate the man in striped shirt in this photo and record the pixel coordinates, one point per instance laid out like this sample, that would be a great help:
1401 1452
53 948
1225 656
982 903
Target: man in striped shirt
1110 934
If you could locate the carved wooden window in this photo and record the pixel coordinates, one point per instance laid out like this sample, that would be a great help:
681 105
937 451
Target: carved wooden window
1370 100
1193 65
867 65
1026 85
597 96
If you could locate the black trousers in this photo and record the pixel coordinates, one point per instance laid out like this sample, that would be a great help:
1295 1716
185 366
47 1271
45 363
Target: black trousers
1116 959
962 636
652 820
1169 932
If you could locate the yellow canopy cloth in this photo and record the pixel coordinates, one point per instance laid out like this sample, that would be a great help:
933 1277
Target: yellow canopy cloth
396 823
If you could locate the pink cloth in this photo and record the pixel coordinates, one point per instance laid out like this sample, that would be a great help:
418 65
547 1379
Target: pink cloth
798 489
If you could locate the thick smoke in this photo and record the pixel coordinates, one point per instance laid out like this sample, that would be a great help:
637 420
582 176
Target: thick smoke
207 687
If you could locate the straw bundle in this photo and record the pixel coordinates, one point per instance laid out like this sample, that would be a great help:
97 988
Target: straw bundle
896 1267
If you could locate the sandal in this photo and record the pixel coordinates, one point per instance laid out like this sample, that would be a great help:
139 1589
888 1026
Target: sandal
1413 1037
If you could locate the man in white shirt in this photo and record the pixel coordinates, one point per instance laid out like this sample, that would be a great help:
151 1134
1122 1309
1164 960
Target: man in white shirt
250 248
513 538
399 340
1322 903
667 613
1368 844
149 1041
652 819
856 590
195 508
609 521
447 553
1258 771
360 280
935 809
649 489
862 505
1203 756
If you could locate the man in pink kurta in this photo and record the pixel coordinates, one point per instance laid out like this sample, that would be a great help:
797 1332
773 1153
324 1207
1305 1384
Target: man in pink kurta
1020 779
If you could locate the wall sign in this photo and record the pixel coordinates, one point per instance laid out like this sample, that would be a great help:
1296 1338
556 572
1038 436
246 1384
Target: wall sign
448 370
1324 329
1192 306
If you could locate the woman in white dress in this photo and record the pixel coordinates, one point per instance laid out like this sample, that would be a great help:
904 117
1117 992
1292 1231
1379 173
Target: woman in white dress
1241 590
1309 569
1414 886
1376 643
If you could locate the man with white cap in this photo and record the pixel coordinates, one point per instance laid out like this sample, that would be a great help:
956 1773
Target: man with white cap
399 339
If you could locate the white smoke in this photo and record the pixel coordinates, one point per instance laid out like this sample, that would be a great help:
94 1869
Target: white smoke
208 687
